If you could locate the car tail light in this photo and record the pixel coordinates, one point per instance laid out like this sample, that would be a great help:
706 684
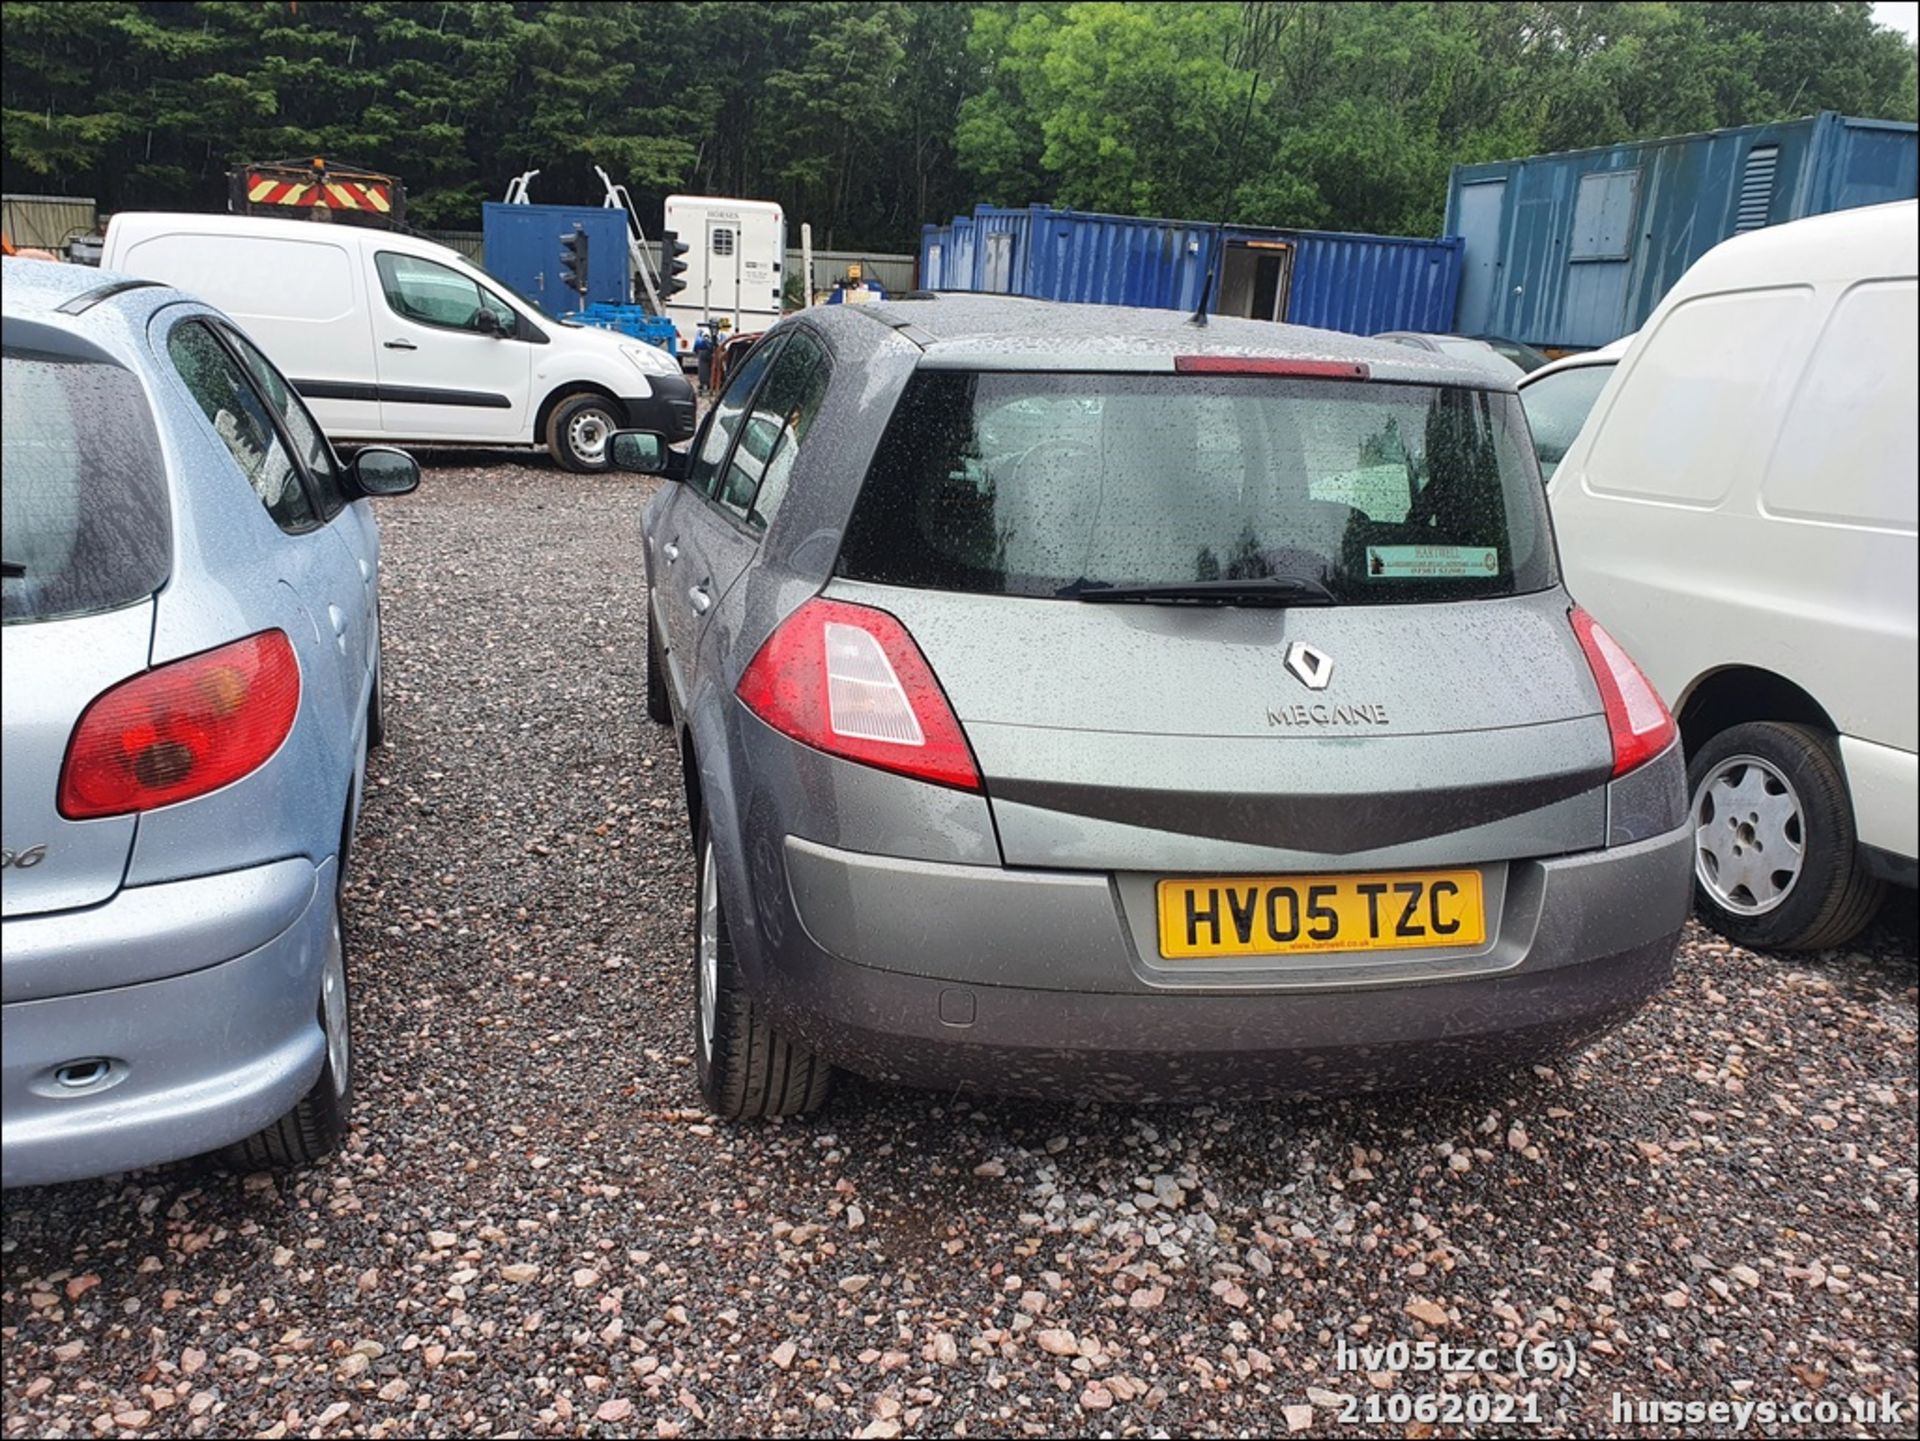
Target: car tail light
1270 365
1636 716
848 680
181 729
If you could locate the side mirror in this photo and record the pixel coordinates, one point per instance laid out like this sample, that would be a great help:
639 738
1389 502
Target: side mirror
382 470
644 452
487 323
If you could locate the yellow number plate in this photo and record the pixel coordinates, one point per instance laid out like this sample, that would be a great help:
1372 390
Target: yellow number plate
1293 915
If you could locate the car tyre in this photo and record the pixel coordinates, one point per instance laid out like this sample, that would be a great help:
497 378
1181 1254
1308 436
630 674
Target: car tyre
578 431
315 1126
1768 783
747 1069
659 707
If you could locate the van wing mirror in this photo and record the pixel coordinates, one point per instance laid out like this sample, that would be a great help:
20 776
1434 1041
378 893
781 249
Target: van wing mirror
382 470
487 323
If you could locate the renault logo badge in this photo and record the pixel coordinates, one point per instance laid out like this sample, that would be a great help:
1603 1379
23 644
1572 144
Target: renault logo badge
1312 668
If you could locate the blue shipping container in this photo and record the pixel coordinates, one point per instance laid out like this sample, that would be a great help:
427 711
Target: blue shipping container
1357 283
523 251
1575 250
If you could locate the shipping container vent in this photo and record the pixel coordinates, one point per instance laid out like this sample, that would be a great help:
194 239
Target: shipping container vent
1756 188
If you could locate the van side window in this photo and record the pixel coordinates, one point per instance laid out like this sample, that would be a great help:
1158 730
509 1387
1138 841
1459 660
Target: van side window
430 293
725 422
217 383
308 443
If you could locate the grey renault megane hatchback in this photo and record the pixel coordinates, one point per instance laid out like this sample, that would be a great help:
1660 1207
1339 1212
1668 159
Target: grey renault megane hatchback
1081 700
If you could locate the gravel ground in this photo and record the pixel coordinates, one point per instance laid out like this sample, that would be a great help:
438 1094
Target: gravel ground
535 1230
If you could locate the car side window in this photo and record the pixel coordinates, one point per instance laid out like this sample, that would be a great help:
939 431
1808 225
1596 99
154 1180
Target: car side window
762 463
430 293
308 443
218 384
705 469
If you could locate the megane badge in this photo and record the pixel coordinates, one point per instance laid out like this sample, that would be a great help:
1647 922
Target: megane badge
1312 668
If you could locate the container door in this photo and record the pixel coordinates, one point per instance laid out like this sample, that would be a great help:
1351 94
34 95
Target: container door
1000 262
1480 208
723 269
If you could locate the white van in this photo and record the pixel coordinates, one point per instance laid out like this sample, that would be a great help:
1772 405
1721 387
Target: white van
1740 510
736 254
398 339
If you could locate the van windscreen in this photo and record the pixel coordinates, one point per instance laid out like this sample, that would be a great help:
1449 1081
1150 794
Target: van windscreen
1054 484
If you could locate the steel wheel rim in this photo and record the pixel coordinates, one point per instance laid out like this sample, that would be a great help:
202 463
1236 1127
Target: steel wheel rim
1749 835
587 434
333 1008
708 949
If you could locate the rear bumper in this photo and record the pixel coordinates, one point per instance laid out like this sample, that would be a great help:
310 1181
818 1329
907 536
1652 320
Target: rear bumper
1584 940
669 410
193 1060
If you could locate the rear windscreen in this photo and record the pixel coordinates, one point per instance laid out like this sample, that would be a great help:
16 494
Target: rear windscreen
1047 484
84 508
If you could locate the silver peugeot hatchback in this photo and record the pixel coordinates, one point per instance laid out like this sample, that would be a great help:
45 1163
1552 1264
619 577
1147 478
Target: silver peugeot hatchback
1080 700
192 663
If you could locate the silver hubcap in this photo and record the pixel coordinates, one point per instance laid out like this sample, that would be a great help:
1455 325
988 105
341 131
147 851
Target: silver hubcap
333 1007
709 949
1749 841
587 434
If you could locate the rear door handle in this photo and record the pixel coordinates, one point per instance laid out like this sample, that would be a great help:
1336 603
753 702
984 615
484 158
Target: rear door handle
339 619
702 600
671 552
400 345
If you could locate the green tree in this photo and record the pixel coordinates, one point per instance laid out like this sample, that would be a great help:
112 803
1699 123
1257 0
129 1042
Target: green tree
869 117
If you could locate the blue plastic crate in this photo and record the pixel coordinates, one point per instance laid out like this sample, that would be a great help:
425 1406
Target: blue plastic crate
632 320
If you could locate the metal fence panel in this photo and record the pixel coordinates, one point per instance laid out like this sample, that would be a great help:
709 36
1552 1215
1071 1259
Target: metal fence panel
48 221
470 243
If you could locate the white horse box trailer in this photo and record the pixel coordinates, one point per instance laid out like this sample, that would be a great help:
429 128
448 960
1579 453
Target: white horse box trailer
735 255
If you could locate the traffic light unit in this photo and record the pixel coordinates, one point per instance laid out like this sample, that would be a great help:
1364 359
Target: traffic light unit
672 267
573 262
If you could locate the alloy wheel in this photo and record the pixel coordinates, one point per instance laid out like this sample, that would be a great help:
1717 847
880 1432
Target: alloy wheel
333 1007
708 949
1749 835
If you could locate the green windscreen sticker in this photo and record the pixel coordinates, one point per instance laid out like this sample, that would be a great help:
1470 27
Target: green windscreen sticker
1432 562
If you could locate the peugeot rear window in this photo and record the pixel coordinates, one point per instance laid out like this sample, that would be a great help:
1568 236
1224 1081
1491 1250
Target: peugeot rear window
85 500
1052 484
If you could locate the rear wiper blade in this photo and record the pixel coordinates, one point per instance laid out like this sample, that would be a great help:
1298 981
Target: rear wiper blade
1254 590
12 570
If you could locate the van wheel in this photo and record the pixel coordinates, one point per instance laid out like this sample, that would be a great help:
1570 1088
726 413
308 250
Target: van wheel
578 431
747 1069
1776 861
313 1127
659 708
